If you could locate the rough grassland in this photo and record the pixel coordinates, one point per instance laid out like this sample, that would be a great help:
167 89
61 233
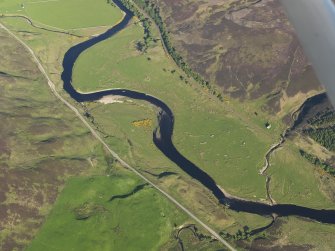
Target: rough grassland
286 186
135 143
142 221
41 145
296 234
50 47
229 149
37 135
65 14
89 215
225 148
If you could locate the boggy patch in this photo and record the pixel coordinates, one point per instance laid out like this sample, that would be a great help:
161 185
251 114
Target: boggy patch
87 210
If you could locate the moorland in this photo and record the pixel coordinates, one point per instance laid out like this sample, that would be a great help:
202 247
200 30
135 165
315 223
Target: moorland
226 139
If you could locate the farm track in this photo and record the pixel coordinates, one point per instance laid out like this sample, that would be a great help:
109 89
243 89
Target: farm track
296 117
32 23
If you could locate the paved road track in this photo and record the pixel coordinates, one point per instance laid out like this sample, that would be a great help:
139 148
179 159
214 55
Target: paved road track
114 154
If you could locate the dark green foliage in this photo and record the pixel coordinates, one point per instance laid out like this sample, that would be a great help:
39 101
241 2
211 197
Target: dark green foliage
140 46
324 136
323 118
321 128
316 161
220 96
239 235
148 37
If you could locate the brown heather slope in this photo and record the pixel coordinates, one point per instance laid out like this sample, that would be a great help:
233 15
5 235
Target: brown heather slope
41 146
247 47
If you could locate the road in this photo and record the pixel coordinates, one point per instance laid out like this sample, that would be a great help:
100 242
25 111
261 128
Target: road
114 154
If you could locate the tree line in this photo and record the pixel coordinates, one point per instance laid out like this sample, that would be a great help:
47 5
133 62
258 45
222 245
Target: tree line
154 12
324 136
317 162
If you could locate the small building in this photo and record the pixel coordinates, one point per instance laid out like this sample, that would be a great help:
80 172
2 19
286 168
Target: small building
267 125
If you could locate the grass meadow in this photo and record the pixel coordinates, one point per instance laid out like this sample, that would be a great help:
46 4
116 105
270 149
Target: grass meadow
143 221
44 148
204 132
224 139
64 14
294 180
220 139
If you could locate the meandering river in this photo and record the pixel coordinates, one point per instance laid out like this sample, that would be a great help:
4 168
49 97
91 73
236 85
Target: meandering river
162 136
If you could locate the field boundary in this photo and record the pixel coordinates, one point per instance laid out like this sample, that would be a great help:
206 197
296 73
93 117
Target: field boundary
46 28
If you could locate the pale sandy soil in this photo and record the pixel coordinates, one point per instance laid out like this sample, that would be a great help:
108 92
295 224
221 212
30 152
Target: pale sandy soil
111 99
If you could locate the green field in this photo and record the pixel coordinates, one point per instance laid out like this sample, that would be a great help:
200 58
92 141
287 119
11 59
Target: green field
142 221
225 139
294 180
37 153
230 148
64 14
42 145
225 147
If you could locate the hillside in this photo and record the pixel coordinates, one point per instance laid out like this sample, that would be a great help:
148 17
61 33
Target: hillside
248 48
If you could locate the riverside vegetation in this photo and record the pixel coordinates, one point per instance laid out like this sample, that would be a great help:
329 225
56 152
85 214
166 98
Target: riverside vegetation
44 148
128 67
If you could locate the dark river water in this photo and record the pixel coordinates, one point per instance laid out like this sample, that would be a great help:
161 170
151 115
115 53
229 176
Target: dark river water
162 136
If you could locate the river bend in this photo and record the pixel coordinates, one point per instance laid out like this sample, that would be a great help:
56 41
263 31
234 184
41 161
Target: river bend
162 135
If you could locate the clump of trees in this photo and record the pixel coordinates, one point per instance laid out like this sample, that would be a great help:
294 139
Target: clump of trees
321 128
317 162
324 136
243 234
146 23
323 118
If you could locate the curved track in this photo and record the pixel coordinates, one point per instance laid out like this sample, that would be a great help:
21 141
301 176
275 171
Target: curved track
30 21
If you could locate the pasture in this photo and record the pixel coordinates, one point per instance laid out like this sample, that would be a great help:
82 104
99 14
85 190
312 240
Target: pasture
221 138
295 180
206 131
64 14
227 143
119 212
84 217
